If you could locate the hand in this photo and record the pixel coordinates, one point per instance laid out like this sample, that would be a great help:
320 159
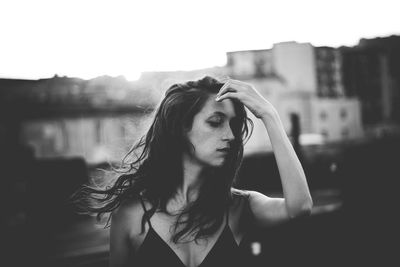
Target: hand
248 95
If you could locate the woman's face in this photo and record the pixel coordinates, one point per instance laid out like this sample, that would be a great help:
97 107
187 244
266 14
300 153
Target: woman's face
211 133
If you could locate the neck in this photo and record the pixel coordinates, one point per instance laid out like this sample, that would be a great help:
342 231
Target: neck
193 178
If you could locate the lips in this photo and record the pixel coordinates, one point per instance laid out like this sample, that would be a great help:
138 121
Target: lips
225 149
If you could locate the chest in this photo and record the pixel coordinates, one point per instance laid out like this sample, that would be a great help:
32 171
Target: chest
160 228
187 252
190 253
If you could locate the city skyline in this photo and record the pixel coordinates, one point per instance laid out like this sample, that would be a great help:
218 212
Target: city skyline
91 39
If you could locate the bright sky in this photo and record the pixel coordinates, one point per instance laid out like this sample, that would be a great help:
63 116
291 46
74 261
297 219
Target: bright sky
89 38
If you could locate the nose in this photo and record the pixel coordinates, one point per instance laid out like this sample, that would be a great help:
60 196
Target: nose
228 135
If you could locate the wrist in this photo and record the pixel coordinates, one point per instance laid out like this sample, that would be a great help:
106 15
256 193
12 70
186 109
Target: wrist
269 113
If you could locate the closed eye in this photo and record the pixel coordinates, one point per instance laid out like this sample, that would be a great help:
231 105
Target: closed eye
214 124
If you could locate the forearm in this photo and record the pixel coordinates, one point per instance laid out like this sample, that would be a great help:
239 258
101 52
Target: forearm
295 189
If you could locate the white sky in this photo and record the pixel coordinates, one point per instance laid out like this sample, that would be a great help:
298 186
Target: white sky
89 38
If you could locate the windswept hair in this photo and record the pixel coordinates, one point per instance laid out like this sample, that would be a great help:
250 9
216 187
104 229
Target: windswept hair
154 170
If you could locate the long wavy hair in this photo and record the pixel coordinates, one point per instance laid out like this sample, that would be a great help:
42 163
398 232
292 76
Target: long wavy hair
152 169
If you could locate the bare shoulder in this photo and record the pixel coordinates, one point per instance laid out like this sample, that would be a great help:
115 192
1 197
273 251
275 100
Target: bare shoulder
125 231
128 210
128 216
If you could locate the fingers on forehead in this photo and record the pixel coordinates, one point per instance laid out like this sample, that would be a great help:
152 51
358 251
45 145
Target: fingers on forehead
227 88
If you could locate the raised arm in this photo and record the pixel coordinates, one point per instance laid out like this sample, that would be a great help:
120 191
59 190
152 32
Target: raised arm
297 199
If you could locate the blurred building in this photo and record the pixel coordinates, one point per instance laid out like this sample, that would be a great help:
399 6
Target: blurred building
250 64
95 138
296 63
301 80
96 119
329 72
371 72
337 120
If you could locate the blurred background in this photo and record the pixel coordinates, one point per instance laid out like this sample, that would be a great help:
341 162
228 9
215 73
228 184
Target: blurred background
79 82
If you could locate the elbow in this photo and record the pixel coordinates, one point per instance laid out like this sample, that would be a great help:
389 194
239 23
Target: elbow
307 207
302 210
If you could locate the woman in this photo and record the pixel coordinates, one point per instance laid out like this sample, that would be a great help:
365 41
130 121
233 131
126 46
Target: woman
175 205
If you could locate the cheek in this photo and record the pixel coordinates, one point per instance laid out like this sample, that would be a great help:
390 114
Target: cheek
203 138
204 141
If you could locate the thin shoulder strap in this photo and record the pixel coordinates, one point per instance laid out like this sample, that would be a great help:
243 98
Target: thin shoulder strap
145 211
227 216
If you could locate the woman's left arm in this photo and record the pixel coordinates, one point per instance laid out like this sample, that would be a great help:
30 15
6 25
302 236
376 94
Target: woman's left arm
297 198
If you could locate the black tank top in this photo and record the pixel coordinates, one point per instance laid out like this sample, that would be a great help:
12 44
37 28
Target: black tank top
154 251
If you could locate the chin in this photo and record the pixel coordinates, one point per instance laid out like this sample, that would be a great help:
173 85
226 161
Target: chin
215 162
219 163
